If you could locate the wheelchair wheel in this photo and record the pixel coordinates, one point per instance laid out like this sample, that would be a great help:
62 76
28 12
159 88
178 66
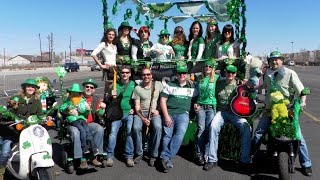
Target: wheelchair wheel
70 167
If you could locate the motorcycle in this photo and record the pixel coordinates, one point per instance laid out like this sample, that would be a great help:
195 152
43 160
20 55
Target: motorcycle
284 149
32 154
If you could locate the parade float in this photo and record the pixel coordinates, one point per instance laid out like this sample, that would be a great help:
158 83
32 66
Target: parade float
145 14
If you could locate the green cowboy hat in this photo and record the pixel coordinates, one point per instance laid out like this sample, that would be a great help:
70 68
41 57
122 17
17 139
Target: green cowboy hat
164 32
90 81
231 68
211 62
30 82
275 54
125 24
182 67
75 88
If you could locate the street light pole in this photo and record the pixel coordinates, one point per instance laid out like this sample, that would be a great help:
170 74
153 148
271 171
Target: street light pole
292 49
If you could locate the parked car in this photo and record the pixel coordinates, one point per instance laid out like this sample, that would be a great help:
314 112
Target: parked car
70 67
291 63
95 67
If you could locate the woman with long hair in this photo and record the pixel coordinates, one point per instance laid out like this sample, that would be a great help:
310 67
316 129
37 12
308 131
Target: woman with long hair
124 43
196 46
108 50
228 46
213 36
179 43
140 48
205 107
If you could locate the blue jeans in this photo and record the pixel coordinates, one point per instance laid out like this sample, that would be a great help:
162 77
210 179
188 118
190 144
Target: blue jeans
264 125
218 121
173 135
155 134
115 126
6 151
204 118
85 134
96 130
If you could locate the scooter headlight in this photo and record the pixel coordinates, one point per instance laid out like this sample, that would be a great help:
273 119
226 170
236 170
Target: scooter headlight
38 131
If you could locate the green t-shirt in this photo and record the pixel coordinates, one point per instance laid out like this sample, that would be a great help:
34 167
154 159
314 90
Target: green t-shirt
211 47
207 91
179 98
126 96
179 50
195 47
224 94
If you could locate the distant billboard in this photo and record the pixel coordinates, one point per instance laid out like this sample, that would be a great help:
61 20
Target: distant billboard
80 51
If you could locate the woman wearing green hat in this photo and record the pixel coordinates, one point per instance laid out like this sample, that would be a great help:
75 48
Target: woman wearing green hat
124 43
26 103
205 107
213 36
162 51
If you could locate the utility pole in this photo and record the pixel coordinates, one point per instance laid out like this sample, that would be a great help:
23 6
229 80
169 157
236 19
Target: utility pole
81 53
40 47
70 48
51 49
4 56
49 46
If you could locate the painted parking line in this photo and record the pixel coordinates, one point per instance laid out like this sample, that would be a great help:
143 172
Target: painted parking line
312 117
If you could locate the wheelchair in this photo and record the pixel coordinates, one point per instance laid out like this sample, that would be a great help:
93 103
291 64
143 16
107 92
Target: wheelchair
70 164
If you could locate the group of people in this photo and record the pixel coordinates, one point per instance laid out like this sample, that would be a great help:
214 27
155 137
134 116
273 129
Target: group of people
162 111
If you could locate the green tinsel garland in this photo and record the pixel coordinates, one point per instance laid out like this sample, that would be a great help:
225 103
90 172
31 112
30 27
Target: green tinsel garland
8 116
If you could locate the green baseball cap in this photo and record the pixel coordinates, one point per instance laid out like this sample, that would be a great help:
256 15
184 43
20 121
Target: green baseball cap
90 81
231 68
75 88
211 62
182 67
212 22
30 82
275 54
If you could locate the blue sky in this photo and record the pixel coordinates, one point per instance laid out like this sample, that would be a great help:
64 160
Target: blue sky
271 24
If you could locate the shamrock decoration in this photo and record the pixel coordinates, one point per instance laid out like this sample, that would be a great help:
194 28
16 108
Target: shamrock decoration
49 141
61 72
47 156
26 145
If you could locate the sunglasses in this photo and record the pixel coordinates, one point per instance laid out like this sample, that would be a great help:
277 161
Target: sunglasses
182 73
125 72
89 87
166 36
229 72
208 66
146 32
146 74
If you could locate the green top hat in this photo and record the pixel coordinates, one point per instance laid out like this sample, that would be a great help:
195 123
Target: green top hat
125 24
30 82
231 68
182 67
90 81
276 54
75 88
211 62
164 32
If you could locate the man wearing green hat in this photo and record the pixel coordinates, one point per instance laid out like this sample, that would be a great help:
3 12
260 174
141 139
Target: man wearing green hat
162 51
76 110
25 104
225 91
97 131
280 78
175 103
